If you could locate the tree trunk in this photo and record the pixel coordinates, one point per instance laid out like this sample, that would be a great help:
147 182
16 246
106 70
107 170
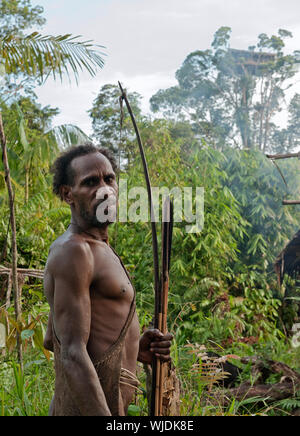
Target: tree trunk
268 392
15 285
287 387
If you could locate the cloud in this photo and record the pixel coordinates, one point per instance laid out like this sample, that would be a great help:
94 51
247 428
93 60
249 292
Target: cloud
75 101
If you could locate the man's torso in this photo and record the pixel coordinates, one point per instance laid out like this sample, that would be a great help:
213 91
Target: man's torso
111 296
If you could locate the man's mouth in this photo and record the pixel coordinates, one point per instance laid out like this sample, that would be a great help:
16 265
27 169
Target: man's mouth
106 208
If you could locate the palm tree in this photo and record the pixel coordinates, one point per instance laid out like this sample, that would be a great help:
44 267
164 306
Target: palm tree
40 56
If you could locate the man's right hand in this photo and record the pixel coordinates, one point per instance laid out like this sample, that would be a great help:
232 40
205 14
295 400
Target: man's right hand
154 343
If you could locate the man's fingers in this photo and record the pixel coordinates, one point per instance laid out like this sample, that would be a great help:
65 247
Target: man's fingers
160 350
161 344
164 358
156 335
168 337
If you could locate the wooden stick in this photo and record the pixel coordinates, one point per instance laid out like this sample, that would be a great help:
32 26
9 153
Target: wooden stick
38 273
8 292
167 225
282 156
164 331
287 202
17 302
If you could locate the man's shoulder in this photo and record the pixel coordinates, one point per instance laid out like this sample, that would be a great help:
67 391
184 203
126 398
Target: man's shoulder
69 251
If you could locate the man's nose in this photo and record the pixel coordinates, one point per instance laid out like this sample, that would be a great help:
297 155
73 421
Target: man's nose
104 192
102 187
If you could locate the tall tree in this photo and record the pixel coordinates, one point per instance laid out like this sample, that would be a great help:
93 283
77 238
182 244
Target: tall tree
107 120
231 96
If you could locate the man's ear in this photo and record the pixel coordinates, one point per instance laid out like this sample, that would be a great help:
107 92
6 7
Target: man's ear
65 192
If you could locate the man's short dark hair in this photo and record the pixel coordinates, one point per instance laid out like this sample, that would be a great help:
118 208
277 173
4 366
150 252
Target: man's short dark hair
62 170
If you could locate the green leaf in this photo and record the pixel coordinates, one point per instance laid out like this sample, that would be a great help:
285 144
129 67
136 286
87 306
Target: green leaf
21 128
133 410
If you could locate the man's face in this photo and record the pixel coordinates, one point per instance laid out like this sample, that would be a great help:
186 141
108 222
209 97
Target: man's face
94 186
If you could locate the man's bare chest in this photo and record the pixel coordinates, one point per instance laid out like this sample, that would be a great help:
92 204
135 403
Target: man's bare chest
110 280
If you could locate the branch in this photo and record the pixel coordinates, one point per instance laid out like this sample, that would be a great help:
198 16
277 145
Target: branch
15 284
286 388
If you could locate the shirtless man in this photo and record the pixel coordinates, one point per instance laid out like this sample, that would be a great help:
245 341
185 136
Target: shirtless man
93 327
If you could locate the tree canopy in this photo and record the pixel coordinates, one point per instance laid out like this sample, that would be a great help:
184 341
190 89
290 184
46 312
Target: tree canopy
232 96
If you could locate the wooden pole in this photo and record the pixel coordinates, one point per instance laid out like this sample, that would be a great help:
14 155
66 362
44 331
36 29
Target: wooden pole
288 202
167 225
282 156
15 285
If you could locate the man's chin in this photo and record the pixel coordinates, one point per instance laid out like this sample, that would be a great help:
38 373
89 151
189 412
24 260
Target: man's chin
94 222
106 216
103 224
98 220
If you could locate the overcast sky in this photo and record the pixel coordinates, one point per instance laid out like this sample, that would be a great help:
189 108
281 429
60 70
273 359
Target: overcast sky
147 40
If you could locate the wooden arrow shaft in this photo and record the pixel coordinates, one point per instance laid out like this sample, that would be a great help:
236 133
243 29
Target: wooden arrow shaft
167 226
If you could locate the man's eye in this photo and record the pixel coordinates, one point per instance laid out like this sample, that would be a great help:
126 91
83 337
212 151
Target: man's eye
91 182
109 179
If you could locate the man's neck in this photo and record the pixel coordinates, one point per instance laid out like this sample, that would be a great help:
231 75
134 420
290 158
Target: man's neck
98 233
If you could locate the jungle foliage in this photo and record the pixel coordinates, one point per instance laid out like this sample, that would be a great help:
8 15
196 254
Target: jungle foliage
224 295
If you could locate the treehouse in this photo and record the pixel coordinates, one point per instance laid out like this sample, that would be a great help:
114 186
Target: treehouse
247 62
288 261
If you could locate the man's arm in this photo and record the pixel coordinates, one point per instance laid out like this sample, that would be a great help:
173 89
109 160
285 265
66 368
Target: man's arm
72 272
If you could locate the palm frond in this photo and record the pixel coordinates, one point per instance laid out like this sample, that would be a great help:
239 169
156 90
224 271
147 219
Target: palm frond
67 135
40 55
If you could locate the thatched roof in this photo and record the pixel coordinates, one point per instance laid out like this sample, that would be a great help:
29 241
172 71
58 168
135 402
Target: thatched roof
288 261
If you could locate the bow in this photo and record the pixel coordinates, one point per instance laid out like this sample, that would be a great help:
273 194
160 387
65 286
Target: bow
150 200
160 285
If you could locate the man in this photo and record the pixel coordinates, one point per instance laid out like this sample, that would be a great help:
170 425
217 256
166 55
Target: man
93 327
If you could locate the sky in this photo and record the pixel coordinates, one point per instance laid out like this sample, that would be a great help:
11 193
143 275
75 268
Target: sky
146 41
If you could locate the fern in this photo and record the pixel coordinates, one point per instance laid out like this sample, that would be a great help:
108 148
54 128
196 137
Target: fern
289 404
